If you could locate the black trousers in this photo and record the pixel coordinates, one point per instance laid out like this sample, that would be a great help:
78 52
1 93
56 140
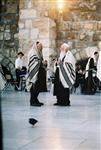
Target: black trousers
19 73
39 86
34 92
62 94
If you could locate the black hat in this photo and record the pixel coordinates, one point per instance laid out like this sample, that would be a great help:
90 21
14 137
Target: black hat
21 53
37 42
95 53
32 121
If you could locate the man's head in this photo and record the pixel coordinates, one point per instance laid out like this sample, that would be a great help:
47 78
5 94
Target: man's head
96 55
39 45
20 54
64 47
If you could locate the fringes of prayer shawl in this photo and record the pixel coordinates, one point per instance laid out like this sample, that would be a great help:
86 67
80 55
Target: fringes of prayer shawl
33 68
67 74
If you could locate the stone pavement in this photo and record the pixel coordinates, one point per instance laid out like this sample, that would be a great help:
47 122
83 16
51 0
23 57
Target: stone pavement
59 128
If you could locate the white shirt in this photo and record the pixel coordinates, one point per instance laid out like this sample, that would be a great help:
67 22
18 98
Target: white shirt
18 63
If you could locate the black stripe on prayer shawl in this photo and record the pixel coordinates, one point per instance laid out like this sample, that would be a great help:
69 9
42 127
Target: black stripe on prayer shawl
65 75
32 56
71 67
69 70
30 60
30 65
34 60
33 72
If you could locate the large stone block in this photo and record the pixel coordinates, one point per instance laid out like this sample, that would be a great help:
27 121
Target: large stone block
21 25
28 14
6 52
76 26
24 45
64 25
83 35
44 22
13 53
1 35
97 36
7 36
90 25
28 24
34 33
48 43
45 42
69 35
52 33
52 23
24 34
44 32
29 4
80 44
99 25
22 4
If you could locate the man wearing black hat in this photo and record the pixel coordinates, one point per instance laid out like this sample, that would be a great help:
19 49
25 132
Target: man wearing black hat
19 64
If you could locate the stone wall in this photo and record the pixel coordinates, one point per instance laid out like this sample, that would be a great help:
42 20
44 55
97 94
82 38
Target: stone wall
30 20
35 24
9 32
81 35
80 25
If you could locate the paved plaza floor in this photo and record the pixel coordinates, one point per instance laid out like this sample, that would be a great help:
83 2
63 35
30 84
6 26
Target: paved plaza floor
77 127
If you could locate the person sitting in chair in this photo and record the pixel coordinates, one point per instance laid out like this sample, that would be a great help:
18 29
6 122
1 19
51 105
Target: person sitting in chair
20 68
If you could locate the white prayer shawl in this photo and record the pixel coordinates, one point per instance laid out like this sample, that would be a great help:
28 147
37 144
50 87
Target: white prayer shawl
67 69
87 68
33 67
99 67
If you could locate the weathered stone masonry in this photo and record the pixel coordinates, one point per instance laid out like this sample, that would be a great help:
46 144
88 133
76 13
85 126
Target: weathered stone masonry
79 24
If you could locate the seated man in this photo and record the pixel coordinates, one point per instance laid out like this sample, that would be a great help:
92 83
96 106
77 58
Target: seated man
6 74
20 68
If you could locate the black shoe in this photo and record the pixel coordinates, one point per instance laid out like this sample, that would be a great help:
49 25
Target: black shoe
41 103
36 104
16 89
56 104
65 105
32 121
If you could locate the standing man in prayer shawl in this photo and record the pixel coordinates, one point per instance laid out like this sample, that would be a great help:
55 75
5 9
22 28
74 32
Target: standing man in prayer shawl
35 73
90 87
64 76
99 69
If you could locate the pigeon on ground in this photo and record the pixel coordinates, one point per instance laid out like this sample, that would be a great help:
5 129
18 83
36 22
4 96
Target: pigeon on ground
32 121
